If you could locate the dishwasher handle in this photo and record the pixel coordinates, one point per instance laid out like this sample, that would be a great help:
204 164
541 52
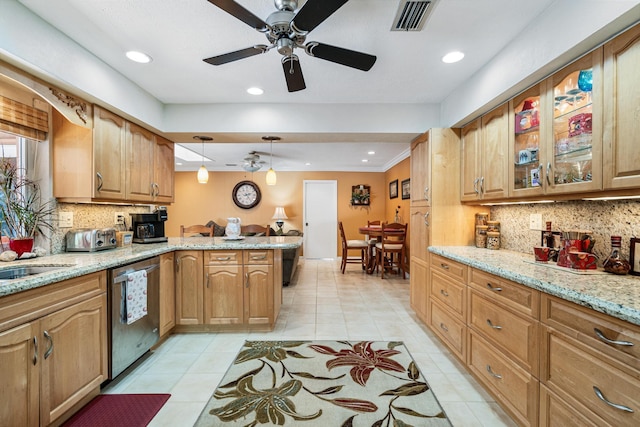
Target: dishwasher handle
123 277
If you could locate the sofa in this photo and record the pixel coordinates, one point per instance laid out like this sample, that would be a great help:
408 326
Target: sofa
290 257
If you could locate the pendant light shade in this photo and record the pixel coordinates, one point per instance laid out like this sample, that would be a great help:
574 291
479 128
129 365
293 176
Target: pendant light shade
203 173
271 177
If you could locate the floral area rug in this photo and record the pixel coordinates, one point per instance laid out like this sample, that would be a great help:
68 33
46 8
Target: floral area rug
323 383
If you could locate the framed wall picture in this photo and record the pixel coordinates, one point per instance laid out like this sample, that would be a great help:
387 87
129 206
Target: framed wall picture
634 256
360 195
406 189
393 189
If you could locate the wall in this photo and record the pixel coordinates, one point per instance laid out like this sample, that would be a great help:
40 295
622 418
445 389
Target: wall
604 218
401 171
198 203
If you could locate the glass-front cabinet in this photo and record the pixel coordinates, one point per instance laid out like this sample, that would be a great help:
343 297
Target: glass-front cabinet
525 155
574 155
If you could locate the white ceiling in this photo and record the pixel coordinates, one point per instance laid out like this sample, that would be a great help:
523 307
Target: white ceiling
178 34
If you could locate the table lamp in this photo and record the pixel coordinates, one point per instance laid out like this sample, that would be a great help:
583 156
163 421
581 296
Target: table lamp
279 215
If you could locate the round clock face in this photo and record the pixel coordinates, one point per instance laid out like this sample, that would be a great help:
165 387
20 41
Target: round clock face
246 194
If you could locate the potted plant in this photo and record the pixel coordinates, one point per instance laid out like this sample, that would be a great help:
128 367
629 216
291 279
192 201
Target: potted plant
23 215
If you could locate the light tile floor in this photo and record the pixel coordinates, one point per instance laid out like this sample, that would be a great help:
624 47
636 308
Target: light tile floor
322 303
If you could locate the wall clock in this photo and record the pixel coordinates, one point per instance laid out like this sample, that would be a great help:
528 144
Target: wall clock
246 194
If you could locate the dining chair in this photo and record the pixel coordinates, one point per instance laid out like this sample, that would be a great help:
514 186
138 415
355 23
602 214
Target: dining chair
391 249
200 230
254 228
348 245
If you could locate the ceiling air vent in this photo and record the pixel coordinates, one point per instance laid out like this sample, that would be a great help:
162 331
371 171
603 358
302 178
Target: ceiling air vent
412 14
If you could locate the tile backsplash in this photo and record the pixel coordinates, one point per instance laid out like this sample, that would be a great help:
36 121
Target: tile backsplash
603 218
91 216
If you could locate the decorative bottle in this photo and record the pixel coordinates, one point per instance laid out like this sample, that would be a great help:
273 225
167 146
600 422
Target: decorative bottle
615 263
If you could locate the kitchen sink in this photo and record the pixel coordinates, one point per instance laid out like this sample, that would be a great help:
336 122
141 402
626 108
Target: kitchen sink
28 270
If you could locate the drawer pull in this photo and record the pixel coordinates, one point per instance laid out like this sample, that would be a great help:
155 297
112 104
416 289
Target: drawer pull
443 292
443 327
598 393
600 335
493 374
260 257
492 325
223 258
443 265
492 288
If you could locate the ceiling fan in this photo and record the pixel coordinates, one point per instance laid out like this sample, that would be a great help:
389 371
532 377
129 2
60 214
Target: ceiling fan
287 30
252 162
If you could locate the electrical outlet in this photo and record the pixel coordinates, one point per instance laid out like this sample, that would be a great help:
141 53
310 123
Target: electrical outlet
535 222
65 219
118 218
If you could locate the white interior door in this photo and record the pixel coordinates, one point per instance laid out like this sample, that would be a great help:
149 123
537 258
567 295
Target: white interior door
320 215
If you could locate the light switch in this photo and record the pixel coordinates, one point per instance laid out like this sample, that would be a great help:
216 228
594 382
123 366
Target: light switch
65 219
535 222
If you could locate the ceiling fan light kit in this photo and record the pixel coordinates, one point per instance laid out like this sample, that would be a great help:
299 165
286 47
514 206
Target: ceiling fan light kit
287 30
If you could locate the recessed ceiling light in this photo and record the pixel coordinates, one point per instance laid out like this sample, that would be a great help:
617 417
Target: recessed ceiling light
255 91
139 57
178 163
371 153
307 164
452 57
364 160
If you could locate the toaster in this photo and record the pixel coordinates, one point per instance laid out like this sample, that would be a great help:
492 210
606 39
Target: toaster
91 239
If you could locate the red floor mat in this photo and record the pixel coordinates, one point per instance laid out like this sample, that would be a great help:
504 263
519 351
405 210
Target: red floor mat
115 410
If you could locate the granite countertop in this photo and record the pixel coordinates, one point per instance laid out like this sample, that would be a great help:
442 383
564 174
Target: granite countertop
75 264
617 296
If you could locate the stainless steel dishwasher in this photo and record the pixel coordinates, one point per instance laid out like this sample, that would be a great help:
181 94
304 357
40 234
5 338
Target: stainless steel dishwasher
128 342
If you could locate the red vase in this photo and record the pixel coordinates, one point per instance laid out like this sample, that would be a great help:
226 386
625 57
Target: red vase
21 246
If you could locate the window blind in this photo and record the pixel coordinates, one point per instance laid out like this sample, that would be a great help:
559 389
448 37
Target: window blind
23 120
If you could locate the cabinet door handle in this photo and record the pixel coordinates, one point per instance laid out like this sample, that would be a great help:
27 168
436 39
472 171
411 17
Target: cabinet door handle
475 185
426 193
493 374
493 288
443 292
444 327
443 265
207 284
35 350
492 325
177 265
482 184
100 181
600 335
50 349
246 280
426 219
548 173
598 393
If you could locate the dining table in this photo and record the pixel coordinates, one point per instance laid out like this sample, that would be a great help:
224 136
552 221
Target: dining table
374 231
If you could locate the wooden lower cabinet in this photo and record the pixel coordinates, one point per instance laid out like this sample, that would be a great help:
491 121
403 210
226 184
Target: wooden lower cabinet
189 290
555 412
228 288
419 288
167 293
53 362
451 330
513 386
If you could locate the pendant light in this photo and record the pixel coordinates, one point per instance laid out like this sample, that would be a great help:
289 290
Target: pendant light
203 173
271 174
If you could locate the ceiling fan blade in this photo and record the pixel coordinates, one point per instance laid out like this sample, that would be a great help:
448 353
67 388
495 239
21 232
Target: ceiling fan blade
314 12
293 73
339 55
233 8
238 54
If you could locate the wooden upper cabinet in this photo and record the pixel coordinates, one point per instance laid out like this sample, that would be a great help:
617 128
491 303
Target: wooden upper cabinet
420 171
140 156
115 161
109 140
494 181
470 162
621 111
163 170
